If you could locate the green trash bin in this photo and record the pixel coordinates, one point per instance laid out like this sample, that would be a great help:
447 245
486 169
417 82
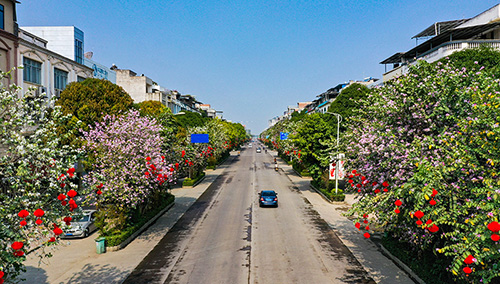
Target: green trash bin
100 244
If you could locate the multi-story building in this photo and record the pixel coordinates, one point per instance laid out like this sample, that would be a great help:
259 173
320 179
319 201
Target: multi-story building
443 38
45 70
8 39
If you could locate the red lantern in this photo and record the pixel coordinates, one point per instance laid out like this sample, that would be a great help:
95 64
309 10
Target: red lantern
148 159
432 202
183 153
57 231
494 226
366 235
71 193
398 203
23 223
357 225
39 213
419 223
469 259
434 192
495 237
61 197
397 211
467 270
385 184
433 228
23 213
17 245
419 214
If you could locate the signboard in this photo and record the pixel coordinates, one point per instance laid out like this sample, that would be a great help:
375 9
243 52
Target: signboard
199 138
337 170
283 135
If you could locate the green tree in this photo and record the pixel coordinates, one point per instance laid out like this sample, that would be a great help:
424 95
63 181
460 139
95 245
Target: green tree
349 98
475 58
89 101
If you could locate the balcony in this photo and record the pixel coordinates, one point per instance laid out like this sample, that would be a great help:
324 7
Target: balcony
439 52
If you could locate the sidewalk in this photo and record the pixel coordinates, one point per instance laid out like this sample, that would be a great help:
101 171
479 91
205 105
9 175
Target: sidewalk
76 261
378 266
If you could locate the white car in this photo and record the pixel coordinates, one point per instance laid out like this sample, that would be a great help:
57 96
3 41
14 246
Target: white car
81 228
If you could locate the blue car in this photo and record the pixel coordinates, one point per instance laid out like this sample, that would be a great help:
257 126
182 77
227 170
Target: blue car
268 198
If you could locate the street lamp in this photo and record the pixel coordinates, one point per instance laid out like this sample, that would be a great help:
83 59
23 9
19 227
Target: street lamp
337 164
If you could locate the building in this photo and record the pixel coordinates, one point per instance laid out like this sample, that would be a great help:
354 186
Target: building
288 113
443 38
44 70
67 41
9 40
209 110
100 71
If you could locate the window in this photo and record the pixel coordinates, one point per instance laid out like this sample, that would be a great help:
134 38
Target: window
80 79
60 79
79 51
2 24
32 71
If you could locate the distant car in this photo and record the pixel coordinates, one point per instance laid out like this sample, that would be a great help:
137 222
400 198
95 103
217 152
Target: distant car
83 227
259 150
268 198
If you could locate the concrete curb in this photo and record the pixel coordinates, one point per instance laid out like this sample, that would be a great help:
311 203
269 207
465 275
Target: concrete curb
142 229
321 193
401 265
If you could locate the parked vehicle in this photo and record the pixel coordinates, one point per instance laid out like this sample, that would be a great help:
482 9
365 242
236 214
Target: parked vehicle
268 198
258 150
81 228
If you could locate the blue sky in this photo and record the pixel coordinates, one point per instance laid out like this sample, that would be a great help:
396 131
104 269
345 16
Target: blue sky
250 59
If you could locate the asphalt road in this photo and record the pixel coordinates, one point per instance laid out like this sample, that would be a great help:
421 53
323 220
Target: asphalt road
225 237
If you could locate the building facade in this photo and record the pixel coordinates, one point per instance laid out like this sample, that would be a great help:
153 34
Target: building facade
443 38
46 71
9 40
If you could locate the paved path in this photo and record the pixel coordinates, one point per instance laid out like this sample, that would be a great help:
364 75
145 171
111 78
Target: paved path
77 261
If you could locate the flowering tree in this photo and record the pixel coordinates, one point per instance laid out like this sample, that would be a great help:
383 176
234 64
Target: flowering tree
36 179
129 172
425 147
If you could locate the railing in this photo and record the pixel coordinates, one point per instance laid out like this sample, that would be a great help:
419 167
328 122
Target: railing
441 51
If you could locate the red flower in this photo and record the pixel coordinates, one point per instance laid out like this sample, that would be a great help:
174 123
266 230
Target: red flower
432 202
38 221
23 223
358 185
419 214
374 183
99 192
419 223
365 215
363 178
467 270
183 153
494 226
1 274
67 219
146 174
357 225
177 166
434 192
63 185
63 203
385 184
61 197
351 181
366 235
70 170
397 211
428 222
71 193
23 213
148 159
100 185
495 237
377 190
57 231
353 171
365 221
52 239
171 169
39 213
385 190
398 203
17 245
367 228
469 259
